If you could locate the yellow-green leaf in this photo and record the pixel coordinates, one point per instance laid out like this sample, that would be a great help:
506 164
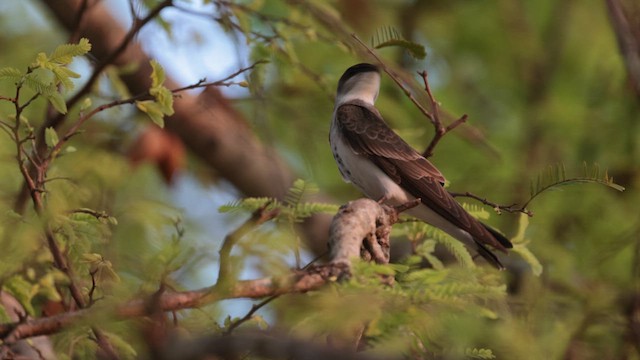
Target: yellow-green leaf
157 75
56 99
51 137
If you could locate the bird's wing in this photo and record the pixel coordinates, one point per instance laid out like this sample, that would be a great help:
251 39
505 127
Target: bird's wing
367 134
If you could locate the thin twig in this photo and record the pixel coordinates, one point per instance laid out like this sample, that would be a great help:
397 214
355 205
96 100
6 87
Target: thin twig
513 208
249 315
440 129
433 115
222 82
256 307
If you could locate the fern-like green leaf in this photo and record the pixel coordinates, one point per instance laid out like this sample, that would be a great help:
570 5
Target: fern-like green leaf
64 54
520 246
298 191
388 36
38 82
305 210
56 99
476 211
455 247
9 73
248 204
163 98
529 257
556 177
421 230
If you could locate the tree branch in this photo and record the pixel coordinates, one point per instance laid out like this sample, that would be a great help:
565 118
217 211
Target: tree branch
259 217
496 207
433 115
297 282
628 43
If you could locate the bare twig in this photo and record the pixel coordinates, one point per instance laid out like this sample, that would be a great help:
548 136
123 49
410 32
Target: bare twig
222 82
249 315
433 115
496 207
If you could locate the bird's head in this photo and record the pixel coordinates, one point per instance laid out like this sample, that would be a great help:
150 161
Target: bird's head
359 82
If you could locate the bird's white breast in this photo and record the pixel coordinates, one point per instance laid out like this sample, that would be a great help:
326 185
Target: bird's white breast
364 174
375 184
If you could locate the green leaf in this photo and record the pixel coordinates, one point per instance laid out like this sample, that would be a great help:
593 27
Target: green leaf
389 37
41 81
51 137
48 287
529 257
153 110
9 73
164 98
86 103
64 54
556 177
124 348
23 291
157 74
64 75
56 99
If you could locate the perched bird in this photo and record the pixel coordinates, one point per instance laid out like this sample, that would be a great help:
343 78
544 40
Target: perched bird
384 167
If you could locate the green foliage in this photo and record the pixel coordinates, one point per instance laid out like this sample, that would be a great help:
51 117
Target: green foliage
51 137
46 73
479 353
556 177
520 246
537 91
293 208
162 104
389 37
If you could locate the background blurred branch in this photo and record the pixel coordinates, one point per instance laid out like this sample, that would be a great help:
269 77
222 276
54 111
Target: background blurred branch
628 36
207 124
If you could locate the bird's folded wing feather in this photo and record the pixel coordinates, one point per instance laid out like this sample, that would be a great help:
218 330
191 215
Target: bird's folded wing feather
368 135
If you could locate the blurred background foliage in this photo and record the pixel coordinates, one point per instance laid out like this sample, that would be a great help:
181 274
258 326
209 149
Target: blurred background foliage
543 82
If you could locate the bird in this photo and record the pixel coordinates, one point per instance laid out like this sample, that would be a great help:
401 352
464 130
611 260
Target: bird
375 159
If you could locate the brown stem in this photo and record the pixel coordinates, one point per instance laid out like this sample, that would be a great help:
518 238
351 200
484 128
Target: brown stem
433 115
496 207
297 282
440 129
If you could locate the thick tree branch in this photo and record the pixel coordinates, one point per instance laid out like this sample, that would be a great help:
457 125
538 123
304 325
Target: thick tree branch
169 301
